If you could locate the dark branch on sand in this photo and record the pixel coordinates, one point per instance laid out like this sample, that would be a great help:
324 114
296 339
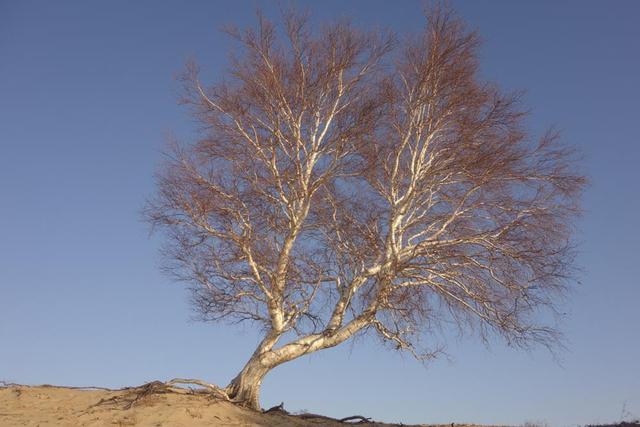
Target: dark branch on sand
306 416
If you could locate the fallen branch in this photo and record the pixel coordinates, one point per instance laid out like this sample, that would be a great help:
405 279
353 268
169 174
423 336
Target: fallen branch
360 419
346 420
278 408
316 416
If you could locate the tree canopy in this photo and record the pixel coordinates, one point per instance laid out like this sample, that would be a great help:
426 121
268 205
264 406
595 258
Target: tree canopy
349 181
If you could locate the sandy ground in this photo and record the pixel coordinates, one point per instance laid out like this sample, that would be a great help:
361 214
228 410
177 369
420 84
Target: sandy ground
60 406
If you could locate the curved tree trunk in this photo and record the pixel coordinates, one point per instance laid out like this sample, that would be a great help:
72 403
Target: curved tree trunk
245 387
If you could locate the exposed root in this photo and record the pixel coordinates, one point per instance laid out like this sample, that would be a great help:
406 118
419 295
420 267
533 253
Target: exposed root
90 387
134 395
359 419
347 420
214 390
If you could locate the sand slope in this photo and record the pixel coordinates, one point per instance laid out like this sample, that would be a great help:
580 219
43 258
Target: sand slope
63 406
59 406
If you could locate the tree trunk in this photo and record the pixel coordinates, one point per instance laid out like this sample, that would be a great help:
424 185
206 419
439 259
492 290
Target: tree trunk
245 387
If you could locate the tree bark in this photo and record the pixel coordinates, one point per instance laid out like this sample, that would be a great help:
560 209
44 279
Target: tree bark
244 389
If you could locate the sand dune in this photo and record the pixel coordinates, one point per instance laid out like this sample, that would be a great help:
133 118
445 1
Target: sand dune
61 406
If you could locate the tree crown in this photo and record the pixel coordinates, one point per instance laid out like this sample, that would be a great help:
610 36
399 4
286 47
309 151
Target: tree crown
347 182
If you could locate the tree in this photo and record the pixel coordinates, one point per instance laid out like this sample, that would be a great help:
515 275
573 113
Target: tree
347 184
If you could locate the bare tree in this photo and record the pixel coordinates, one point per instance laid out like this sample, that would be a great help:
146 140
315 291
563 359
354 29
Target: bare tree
345 183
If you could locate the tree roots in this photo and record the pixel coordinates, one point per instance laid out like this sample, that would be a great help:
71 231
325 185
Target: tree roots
134 395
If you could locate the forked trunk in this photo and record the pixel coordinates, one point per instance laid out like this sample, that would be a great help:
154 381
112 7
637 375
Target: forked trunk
245 387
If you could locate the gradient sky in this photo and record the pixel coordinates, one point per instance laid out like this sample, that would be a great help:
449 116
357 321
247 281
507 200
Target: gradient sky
87 98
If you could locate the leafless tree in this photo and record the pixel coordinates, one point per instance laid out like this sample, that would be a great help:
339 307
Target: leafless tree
346 183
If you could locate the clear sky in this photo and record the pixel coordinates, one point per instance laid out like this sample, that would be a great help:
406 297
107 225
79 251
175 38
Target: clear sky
86 101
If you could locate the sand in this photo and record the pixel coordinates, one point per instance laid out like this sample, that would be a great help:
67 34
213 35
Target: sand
22 405
60 406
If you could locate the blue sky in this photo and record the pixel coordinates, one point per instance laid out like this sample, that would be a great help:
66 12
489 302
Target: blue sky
87 99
